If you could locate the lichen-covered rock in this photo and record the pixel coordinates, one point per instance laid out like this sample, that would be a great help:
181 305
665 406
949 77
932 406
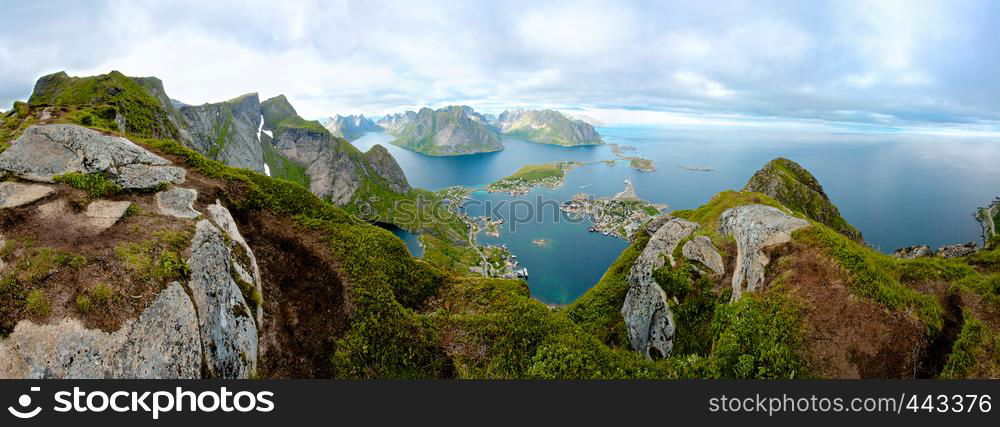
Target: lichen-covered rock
162 343
657 222
228 331
919 251
177 202
755 227
959 250
244 261
702 250
102 214
648 320
44 151
14 194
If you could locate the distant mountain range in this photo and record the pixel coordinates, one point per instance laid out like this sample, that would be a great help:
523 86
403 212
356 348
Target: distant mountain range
458 130
351 127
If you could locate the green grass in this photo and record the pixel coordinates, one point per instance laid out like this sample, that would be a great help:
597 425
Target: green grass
94 184
37 303
976 353
536 172
759 336
159 259
598 311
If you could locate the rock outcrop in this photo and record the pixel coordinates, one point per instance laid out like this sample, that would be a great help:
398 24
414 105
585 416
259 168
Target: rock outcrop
450 131
162 343
177 202
228 131
242 257
335 170
547 127
228 330
955 251
386 167
919 251
351 127
798 190
702 250
648 320
14 194
755 227
45 151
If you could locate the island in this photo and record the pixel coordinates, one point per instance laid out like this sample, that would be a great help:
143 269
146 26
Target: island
548 175
547 127
641 164
696 168
619 216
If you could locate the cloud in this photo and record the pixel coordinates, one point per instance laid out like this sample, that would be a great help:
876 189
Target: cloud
914 63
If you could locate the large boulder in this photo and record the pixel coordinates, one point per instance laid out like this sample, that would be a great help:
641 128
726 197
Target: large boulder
648 320
15 194
755 227
702 250
45 151
955 251
228 330
919 251
162 343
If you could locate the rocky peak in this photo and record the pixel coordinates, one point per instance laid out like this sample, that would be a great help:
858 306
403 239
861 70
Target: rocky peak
797 189
275 110
350 127
386 167
227 131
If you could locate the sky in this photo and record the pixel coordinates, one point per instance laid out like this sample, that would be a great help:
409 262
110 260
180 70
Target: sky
865 64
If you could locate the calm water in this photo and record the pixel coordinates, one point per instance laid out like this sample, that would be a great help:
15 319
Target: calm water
899 190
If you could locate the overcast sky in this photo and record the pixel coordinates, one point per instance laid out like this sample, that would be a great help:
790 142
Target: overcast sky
901 63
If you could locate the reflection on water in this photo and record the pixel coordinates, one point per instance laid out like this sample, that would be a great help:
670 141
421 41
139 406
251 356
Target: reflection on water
898 190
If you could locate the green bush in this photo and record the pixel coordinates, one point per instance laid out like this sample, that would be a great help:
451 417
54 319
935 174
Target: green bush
94 184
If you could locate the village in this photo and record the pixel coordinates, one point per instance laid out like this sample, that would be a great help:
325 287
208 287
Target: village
619 216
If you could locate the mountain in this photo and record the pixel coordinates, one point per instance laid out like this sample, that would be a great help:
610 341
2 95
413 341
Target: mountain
547 127
351 127
335 168
266 137
796 188
448 131
227 131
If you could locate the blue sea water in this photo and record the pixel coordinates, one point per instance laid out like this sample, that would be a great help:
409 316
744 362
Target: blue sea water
898 189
